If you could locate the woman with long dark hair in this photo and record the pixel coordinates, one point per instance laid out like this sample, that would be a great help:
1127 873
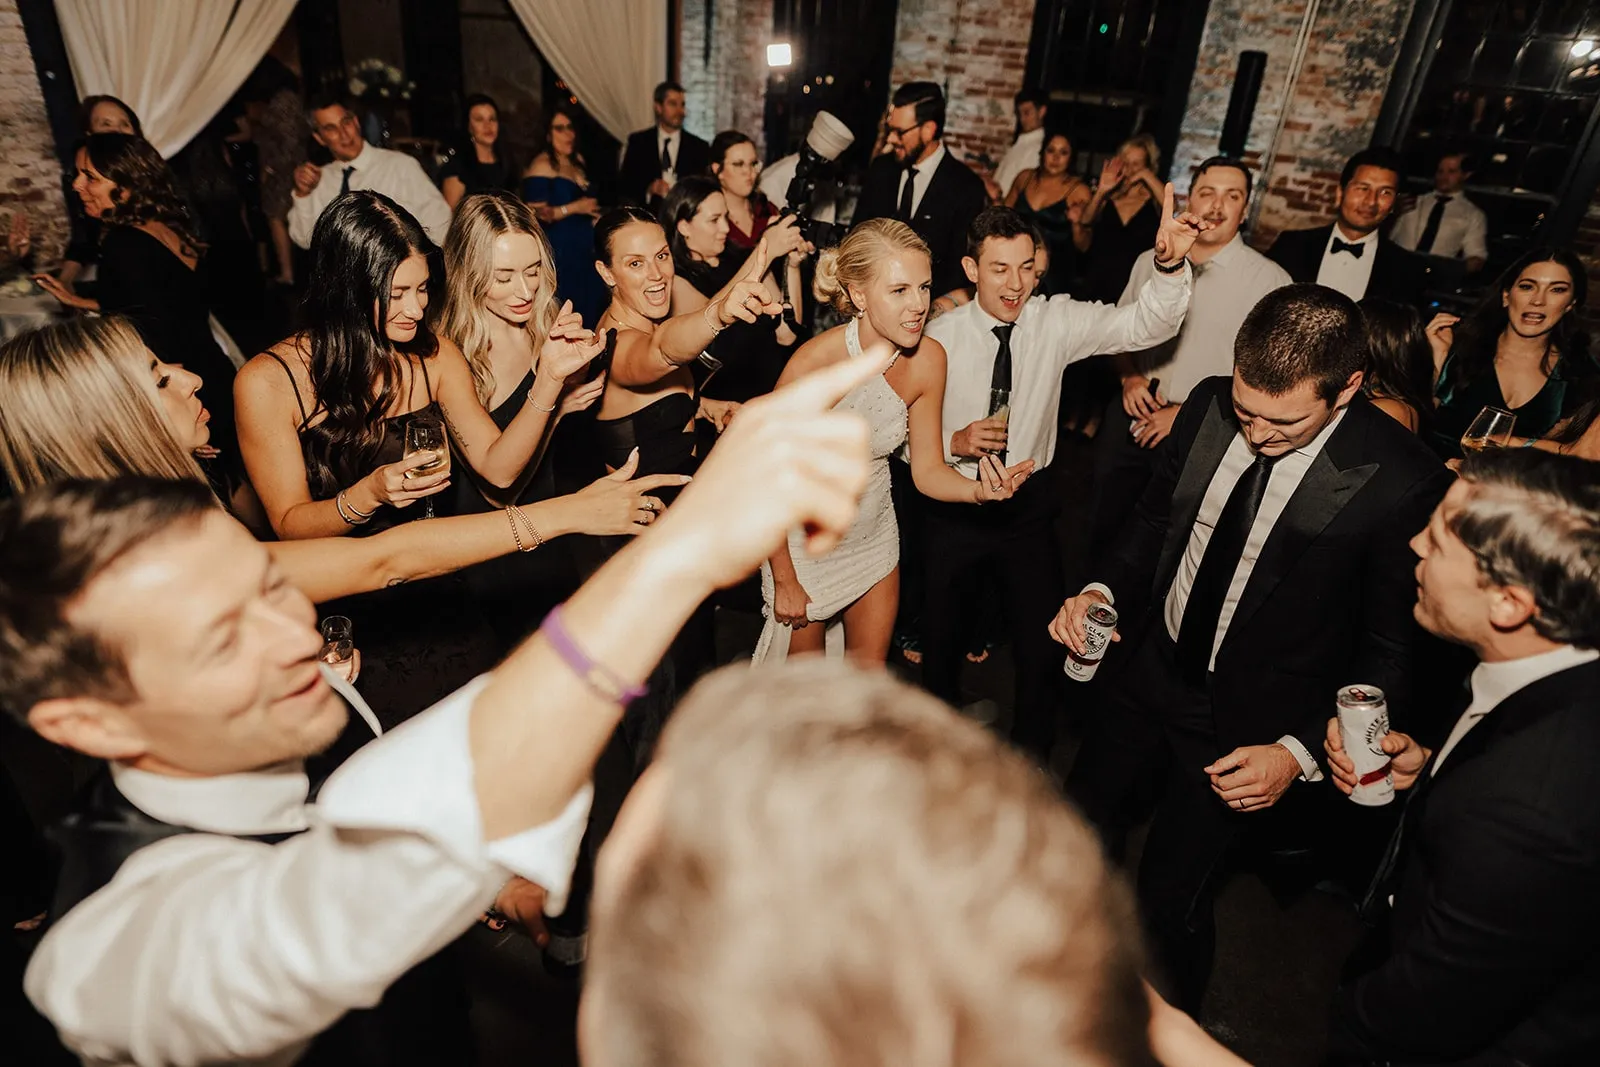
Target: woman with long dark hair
152 264
1399 379
1522 350
481 163
556 187
324 418
704 260
1055 201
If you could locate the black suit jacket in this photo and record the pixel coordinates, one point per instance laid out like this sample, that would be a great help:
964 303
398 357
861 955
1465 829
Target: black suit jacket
641 164
952 200
1329 599
1495 937
1396 274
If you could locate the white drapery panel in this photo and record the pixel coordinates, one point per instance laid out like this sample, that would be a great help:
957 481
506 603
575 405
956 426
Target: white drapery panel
611 52
175 64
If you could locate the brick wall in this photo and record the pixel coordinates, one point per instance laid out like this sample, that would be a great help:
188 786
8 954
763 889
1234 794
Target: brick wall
1333 109
30 175
977 50
728 91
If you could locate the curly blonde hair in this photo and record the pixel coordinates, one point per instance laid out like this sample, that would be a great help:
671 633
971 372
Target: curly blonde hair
469 272
856 260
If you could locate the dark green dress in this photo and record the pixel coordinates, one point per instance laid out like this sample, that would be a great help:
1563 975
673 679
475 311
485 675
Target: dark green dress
1460 402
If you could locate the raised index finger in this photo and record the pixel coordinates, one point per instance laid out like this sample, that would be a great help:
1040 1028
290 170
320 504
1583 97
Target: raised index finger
1166 202
821 390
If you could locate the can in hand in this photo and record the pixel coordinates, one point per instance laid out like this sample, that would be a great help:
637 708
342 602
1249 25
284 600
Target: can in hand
1097 628
1363 724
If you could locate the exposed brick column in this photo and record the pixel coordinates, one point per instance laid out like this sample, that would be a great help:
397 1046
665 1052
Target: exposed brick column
729 90
1352 52
30 174
978 51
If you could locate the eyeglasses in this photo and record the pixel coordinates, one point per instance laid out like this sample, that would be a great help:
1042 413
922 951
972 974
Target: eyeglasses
565 127
895 131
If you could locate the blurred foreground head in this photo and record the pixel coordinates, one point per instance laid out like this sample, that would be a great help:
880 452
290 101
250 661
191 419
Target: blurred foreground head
828 868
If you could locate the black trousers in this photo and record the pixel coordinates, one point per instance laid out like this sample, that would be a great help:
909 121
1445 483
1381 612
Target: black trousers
1011 546
1121 471
1155 734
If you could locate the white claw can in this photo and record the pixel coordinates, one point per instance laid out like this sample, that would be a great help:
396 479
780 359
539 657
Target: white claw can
1363 724
1097 630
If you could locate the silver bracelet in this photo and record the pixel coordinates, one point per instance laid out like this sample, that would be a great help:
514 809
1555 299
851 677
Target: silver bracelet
716 327
352 515
536 407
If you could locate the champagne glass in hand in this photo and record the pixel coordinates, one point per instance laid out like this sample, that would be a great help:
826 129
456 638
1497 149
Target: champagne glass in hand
338 645
1491 428
425 433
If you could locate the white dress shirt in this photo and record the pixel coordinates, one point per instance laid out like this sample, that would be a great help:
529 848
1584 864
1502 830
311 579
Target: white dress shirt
1226 287
1022 155
1493 683
1463 228
1344 271
394 174
209 949
925 171
1049 334
1287 474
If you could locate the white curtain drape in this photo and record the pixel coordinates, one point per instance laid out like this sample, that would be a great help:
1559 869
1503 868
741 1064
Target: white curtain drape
611 52
175 64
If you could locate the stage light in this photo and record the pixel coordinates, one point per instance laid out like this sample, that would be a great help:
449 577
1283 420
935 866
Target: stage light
1584 49
779 55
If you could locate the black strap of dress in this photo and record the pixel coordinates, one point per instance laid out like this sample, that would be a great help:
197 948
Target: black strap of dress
305 419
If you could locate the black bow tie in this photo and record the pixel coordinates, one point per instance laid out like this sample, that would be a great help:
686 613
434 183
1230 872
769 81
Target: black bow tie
1342 246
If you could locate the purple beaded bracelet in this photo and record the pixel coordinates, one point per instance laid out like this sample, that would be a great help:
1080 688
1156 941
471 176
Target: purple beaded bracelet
604 682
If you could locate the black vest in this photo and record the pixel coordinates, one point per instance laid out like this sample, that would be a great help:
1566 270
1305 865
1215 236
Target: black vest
422 1019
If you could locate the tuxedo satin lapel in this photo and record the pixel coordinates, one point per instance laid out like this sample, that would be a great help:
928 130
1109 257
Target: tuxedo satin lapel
1217 431
1321 495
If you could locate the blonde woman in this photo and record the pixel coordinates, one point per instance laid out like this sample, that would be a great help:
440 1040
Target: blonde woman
86 399
1114 238
880 278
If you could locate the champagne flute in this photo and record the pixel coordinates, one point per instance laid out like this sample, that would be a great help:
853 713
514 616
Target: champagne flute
338 643
1491 428
425 433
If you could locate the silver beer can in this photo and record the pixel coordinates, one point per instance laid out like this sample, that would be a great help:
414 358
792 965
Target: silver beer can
1097 629
1363 724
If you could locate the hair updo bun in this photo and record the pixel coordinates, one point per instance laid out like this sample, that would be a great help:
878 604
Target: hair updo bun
856 260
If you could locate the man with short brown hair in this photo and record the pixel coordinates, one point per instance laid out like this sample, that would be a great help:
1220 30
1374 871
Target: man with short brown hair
826 866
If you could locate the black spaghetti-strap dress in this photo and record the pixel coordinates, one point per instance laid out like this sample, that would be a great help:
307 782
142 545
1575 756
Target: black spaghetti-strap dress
420 641
515 592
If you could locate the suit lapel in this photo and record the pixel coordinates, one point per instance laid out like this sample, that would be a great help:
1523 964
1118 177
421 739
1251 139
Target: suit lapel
930 196
1334 477
1522 709
1211 441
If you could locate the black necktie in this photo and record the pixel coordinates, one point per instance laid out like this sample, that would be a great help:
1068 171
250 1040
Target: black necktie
1000 382
1198 630
1430 232
1343 246
905 194
344 183
666 155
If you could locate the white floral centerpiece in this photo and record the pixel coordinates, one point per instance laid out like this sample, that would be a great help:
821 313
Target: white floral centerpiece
375 81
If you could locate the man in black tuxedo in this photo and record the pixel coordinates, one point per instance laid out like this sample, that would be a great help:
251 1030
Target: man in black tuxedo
654 159
919 182
1264 567
1350 254
1494 939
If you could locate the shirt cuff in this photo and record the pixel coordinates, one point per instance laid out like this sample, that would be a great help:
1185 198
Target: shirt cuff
1096 587
376 789
1309 771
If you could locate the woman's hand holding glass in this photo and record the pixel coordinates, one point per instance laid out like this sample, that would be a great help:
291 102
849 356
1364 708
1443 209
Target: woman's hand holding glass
405 482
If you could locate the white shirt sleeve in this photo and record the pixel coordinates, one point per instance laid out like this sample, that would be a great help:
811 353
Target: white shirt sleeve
305 210
422 198
209 949
1475 242
1309 771
1081 329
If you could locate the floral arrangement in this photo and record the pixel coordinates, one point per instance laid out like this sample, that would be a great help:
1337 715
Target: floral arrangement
373 79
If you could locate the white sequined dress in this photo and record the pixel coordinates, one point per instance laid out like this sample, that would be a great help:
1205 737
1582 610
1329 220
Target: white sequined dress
871 548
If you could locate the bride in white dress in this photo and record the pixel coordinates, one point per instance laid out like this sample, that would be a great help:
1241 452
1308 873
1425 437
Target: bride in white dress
880 276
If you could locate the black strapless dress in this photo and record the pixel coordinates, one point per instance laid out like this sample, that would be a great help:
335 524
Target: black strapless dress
420 641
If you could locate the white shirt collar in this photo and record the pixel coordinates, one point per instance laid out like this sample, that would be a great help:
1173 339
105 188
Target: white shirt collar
1031 137
1369 239
1313 447
363 158
667 135
271 800
931 164
1227 253
1492 683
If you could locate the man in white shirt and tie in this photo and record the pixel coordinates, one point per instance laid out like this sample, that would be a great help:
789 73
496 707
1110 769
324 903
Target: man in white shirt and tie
1005 352
1444 222
1031 106
206 911
1230 278
359 165
1490 878
1264 567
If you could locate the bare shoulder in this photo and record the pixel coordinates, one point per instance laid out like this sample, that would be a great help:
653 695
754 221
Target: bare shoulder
821 351
273 371
929 357
540 167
